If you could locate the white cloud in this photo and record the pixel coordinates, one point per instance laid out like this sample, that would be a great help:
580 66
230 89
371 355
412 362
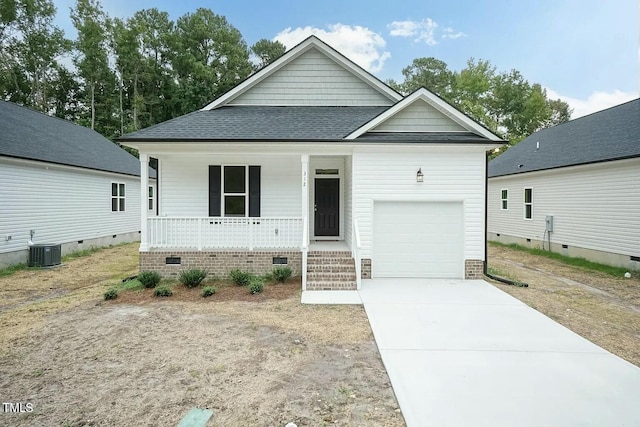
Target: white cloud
422 31
449 33
360 44
597 101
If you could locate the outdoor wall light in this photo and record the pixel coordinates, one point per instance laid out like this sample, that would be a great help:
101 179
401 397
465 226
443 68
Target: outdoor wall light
419 176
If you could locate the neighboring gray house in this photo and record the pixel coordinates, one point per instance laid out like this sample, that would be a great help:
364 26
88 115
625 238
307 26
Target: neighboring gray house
61 183
315 163
584 176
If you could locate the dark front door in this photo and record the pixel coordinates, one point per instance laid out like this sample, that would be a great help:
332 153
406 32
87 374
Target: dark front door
327 207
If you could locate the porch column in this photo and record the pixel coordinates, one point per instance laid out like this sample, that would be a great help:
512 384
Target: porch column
304 158
144 196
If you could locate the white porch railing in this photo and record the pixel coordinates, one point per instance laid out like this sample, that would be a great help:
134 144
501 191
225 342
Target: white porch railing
224 233
355 251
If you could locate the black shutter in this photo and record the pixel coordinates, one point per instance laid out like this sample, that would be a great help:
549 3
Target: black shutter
215 190
254 191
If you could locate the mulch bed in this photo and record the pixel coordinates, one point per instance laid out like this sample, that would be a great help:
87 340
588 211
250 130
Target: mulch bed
224 292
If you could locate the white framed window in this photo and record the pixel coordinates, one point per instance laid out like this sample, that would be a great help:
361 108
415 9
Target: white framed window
528 203
504 199
117 196
151 198
234 191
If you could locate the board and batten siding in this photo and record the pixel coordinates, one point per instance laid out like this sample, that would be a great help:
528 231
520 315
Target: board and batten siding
593 206
419 117
312 79
61 204
184 182
450 174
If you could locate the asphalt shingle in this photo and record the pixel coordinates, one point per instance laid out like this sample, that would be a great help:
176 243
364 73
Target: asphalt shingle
607 135
28 134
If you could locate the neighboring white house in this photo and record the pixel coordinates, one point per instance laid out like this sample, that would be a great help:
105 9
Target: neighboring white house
61 183
584 177
315 163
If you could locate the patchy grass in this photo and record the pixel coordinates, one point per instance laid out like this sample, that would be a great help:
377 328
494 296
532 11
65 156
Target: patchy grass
582 263
8 271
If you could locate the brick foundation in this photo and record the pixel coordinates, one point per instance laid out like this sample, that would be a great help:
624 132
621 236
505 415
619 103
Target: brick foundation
473 269
365 268
219 263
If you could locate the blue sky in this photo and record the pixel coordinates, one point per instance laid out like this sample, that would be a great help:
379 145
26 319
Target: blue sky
583 51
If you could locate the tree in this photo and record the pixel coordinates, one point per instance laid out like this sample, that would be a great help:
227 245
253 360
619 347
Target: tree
92 62
209 57
267 51
430 73
30 46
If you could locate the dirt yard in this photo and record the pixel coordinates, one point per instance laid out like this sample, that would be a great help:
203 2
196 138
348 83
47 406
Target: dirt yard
255 361
602 308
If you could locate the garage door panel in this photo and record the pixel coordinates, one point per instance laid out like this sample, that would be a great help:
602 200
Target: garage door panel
418 239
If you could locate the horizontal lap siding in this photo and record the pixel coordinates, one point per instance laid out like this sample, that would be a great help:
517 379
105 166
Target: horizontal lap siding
312 79
185 183
348 218
419 117
594 206
454 175
61 204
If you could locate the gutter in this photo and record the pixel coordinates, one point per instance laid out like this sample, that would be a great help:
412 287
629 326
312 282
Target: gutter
485 269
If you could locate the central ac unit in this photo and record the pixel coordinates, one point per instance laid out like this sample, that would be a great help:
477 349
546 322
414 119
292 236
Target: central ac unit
45 255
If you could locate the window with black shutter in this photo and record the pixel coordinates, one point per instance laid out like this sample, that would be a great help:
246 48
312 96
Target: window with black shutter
234 191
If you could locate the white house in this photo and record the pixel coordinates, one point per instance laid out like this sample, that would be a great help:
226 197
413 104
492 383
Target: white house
315 163
574 188
61 183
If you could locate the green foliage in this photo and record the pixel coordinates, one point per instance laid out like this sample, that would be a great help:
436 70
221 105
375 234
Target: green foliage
163 291
267 51
10 270
192 277
239 277
576 262
131 285
111 294
149 279
281 274
207 291
256 285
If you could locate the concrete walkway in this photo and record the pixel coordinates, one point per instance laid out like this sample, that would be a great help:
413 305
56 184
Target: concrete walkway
464 353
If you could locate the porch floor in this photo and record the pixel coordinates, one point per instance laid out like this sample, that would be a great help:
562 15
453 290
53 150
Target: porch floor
331 245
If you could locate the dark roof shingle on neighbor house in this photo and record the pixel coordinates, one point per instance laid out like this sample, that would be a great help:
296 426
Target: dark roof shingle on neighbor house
28 134
260 123
607 135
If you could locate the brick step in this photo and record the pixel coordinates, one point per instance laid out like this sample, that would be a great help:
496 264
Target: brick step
329 268
335 254
333 286
331 277
331 261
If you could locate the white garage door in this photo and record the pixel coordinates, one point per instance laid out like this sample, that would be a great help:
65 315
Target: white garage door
418 239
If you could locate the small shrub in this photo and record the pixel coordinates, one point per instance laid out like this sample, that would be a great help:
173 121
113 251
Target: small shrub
207 291
149 279
111 294
240 278
163 291
281 274
192 278
256 285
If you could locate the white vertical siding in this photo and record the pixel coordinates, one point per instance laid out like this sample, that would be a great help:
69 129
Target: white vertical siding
62 204
452 174
312 79
184 182
419 117
594 206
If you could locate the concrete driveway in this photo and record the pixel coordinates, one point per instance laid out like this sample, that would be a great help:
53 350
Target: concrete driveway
464 353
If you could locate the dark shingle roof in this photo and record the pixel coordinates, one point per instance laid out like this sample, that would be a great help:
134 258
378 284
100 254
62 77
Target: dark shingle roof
422 137
607 135
246 123
28 134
